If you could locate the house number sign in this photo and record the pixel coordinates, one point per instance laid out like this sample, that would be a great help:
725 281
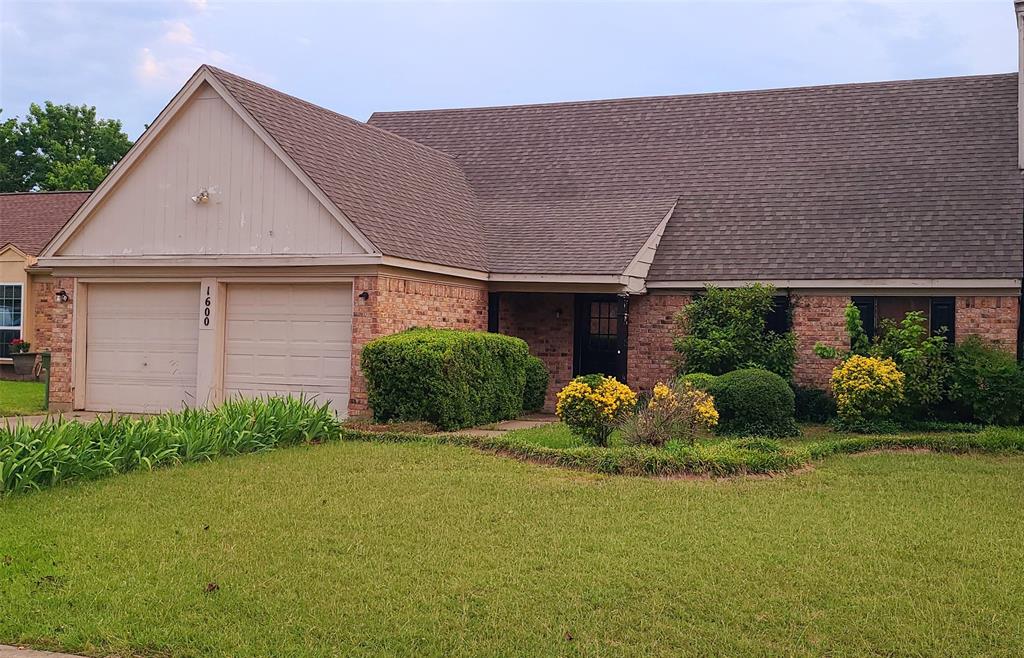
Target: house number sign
206 310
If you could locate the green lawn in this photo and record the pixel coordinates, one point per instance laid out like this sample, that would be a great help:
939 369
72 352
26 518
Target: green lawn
557 435
355 548
20 398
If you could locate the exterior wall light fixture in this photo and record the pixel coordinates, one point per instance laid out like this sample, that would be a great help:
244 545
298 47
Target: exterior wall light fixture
61 296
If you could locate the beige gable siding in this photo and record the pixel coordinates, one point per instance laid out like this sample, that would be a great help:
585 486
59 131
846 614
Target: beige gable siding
257 205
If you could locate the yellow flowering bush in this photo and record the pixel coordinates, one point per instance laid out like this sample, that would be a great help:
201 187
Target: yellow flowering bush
673 413
592 405
867 390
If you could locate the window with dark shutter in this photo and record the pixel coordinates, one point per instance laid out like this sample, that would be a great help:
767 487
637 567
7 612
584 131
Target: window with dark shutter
943 317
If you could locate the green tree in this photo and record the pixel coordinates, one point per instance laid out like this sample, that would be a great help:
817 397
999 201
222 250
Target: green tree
59 147
724 330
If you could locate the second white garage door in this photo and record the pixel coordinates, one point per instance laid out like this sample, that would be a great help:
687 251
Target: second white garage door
289 338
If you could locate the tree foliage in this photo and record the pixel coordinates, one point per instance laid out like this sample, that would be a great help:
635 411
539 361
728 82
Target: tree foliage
59 147
724 330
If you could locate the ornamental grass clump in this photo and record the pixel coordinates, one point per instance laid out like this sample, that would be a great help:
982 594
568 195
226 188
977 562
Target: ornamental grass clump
591 406
673 413
867 391
60 451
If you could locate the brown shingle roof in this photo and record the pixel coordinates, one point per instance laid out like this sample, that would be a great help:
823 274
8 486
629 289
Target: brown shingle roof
28 220
911 179
409 200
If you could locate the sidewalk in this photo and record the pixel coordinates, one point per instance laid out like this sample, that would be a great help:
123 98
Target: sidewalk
497 429
16 652
83 416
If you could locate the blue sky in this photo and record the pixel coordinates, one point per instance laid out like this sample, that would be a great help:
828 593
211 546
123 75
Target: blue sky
128 58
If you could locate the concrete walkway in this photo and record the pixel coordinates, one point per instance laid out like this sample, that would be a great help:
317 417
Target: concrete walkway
83 416
497 429
17 652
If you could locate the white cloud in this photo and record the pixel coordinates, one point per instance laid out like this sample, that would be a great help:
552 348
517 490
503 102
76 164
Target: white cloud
178 32
199 5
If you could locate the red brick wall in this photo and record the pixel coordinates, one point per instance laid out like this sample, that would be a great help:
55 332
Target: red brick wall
397 303
993 318
652 328
53 324
817 318
545 322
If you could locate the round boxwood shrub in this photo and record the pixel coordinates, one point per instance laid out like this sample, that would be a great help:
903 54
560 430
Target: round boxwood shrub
754 402
701 381
536 384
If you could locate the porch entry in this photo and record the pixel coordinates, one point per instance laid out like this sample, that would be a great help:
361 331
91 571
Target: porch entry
600 331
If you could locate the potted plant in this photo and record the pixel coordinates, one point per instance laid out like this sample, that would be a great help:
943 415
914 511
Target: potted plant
24 361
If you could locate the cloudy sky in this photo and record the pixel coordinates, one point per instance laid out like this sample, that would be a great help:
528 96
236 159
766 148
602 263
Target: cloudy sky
128 58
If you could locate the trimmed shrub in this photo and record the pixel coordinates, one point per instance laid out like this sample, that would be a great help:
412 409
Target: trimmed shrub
536 384
701 381
448 377
592 405
754 402
867 390
987 382
813 405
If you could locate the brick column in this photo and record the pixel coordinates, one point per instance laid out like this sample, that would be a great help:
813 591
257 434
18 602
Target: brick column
53 326
817 319
992 318
396 303
652 328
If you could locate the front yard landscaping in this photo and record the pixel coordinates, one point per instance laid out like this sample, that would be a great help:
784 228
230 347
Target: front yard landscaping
368 548
21 398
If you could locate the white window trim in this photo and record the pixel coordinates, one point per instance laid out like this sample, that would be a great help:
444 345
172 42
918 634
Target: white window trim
21 327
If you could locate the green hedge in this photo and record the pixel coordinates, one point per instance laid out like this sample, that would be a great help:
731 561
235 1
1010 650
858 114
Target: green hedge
754 402
536 384
451 378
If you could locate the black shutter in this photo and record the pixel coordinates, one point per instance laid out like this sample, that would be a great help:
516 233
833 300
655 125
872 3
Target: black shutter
943 315
493 306
866 306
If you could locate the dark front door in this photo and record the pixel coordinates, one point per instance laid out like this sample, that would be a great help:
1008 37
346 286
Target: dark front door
600 328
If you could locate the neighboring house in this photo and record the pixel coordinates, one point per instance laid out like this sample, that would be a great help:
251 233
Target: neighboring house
251 242
27 222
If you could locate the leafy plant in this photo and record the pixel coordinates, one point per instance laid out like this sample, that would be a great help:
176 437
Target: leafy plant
593 405
675 413
867 390
754 402
699 380
922 358
60 451
859 343
724 330
813 405
19 346
987 381
536 388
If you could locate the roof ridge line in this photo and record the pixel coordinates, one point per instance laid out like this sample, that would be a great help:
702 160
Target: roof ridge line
735 92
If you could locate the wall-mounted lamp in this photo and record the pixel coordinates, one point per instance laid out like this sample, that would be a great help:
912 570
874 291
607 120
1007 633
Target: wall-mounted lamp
202 197
61 296
364 295
558 314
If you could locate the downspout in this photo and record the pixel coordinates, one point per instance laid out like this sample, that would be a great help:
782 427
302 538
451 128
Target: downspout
1018 7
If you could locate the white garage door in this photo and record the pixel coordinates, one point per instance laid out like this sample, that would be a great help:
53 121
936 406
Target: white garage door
141 346
289 338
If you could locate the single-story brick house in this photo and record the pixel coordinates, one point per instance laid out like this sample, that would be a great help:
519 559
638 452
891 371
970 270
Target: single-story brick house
252 242
27 223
